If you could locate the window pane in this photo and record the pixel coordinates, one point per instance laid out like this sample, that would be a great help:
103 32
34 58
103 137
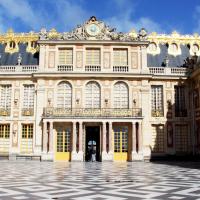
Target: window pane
5 98
29 91
121 95
66 56
64 95
93 57
120 57
92 95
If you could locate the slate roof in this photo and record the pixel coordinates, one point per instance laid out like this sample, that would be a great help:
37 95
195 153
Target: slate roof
11 59
174 61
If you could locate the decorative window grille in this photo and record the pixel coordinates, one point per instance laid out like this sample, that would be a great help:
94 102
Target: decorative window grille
121 95
180 107
157 100
5 97
29 93
65 56
120 57
64 95
157 142
92 95
93 57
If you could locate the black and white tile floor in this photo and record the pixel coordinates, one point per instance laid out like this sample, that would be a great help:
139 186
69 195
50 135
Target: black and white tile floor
99 181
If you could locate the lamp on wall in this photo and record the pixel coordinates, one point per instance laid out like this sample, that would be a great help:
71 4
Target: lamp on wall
106 101
134 102
77 100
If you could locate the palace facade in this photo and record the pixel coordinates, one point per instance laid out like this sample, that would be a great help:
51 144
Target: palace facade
118 96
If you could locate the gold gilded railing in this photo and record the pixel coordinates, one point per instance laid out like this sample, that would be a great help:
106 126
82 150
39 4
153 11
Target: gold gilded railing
92 112
27 111
4 112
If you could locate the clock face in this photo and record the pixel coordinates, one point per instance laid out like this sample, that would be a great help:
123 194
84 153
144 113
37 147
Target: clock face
93 29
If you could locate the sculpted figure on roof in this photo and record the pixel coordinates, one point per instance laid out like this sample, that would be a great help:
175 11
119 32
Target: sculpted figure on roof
94 29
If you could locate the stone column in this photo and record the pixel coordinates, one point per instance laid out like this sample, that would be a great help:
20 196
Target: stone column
51 137
79 156
44 149
80 147
111 150
104 153
134 153
104 137
74 138
140 140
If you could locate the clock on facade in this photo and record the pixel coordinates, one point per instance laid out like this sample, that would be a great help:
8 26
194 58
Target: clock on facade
93 29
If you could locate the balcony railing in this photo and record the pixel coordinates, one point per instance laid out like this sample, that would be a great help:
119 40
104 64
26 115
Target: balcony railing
27 111
4 112
157 113
65 68
120 68
92 112
19 68
179 71
92 68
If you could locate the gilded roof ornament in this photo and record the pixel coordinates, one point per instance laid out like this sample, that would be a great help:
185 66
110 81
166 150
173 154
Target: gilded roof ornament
93 29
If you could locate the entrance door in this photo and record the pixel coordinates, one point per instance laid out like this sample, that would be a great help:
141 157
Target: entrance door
92 143
4 138
121 143
63 144
27 139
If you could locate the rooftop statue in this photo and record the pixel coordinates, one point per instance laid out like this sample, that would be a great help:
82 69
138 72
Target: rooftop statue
93 29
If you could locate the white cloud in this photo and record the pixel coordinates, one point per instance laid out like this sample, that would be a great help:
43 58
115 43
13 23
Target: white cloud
124 22
66 14
20 9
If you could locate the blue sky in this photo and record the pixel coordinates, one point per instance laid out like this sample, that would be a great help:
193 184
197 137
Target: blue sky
162 16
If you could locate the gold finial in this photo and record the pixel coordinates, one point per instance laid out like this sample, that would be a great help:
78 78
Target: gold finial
133 34
53 34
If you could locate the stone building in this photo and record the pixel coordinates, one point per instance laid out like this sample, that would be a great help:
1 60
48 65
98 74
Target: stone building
119 96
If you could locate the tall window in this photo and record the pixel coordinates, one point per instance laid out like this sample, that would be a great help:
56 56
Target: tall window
5 97
157 100
93 57
4 130
92 95
65 56
29 91
121 95
120 57
64 95
27 131
180 108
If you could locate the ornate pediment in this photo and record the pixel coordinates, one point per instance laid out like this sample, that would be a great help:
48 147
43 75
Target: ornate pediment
94 29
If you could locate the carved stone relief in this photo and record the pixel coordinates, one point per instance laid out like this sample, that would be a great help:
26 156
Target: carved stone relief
79 59
15 134
106 59
51 59
134 60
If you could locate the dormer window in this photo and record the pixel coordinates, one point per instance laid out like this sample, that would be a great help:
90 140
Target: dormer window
33 44
12 45
152 47
195 48
174 48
